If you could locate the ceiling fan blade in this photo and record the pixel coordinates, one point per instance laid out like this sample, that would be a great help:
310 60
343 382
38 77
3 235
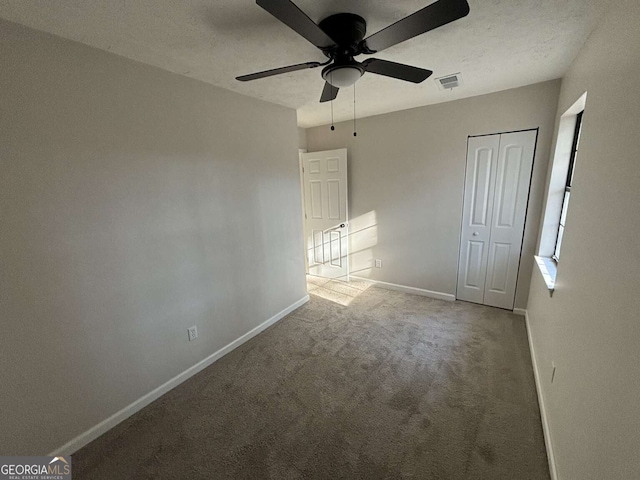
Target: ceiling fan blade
278 71
435 15
329 92
396 70
289 14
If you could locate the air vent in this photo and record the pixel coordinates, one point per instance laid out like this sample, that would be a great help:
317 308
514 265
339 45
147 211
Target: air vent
449 81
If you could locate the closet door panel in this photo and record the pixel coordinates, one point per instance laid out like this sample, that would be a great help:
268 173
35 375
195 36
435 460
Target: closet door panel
510 198
479 193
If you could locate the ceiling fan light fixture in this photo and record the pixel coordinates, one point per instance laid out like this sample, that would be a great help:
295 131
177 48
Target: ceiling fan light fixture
342 76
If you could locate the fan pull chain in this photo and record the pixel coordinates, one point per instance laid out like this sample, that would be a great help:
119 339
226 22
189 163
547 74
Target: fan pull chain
354 110
332 126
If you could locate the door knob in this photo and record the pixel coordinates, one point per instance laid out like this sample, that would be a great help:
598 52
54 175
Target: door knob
342 225
475 234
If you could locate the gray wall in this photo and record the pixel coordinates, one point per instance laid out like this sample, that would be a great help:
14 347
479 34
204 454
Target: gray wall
302 138
590 327
408 167
134 204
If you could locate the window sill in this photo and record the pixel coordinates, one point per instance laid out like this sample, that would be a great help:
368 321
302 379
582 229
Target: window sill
548 269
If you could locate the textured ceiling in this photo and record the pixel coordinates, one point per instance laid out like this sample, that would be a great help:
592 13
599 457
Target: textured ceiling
501 44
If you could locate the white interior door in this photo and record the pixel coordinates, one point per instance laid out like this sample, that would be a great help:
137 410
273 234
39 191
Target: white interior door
482 155
326 213
495 204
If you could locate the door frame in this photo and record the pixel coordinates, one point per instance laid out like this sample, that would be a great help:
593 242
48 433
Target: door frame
301 173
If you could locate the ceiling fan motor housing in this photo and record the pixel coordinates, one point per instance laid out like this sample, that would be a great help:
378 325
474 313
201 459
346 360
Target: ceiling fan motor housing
347 30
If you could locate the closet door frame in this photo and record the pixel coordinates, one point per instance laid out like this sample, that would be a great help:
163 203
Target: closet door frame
495 279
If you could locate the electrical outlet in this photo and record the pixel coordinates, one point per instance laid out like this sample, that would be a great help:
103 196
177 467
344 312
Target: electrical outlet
378 263
193 333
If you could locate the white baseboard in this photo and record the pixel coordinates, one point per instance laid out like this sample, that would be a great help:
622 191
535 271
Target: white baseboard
107 424
543 411
520 311
402 288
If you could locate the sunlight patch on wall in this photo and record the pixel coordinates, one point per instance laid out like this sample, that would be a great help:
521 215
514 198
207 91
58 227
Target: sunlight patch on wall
363 236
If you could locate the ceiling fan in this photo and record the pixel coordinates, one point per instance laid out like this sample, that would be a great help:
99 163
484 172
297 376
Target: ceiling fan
340 37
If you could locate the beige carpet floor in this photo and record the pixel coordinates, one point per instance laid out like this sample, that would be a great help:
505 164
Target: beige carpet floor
360 383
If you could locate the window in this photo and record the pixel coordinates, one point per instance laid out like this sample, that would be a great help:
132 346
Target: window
567 188
561 170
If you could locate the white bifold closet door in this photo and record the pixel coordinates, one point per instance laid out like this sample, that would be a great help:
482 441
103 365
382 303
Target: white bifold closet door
496 194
